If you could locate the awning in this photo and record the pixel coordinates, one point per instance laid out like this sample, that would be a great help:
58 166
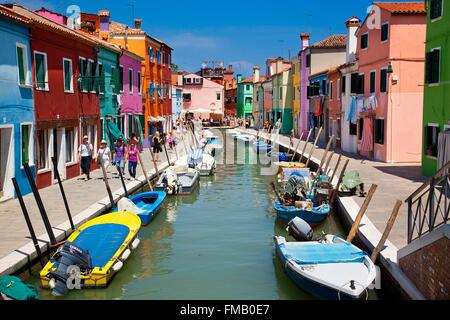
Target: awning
114 130
156 119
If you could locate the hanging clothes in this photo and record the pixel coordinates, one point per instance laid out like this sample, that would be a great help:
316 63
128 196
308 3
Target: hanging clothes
319 110
372 102
351 110
367 138
359 105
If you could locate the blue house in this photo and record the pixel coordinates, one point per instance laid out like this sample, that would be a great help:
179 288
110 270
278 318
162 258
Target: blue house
16 103
317 95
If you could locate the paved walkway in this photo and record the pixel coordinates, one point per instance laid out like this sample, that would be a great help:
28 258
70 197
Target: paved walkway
81 195
396 181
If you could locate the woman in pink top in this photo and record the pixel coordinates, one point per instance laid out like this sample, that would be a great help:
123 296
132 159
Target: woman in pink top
132 160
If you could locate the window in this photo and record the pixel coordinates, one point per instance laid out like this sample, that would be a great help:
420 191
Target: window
130 80
361 84
248 100
384 32
42 152
68 79
151 54
83 73
324 87
353 129
22 64
281 93
338 87
120 84
330 93
344 84
218 94
354 83
373 75
26 131
101 79
41 70
436 7
70 145
187 96
431 139
361 128
90 74
247 87
198 80
433 66
308 61
365 41
379 131
139 82
383 80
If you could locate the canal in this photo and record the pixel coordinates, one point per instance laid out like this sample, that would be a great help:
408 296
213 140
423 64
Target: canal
215 244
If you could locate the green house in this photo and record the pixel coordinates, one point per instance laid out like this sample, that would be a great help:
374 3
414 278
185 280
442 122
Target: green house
244 106
282 99
437 86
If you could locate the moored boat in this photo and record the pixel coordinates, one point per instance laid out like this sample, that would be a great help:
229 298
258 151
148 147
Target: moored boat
178 183
330 269
96 251
261 146
313 217
13 288
146 205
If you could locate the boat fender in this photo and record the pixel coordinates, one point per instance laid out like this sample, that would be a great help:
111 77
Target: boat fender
135 243
52 283
117 266
125 255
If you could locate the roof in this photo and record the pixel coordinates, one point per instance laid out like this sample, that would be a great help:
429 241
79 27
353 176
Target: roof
101 42
11 14
333 41
402 7
320 73
119 29
250 80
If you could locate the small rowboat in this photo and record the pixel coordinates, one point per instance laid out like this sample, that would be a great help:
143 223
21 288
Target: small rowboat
95 252
146 205
13 288
330 269
176 182
314 218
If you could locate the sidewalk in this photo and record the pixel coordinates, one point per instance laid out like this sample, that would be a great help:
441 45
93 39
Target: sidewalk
396 181
86 199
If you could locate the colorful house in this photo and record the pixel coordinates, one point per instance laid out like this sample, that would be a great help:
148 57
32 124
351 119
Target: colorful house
16 103
349 138
389 83
65 97
305 66
282 96
244 105
318 102
267 103
334 106
295 75
130 100
230 97
177 96
258 98
436 109
319 58
202 98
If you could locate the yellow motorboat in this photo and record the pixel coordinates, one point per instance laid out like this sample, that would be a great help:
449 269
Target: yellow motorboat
92 254
291 165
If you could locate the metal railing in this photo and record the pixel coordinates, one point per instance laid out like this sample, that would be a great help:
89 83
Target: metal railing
429 206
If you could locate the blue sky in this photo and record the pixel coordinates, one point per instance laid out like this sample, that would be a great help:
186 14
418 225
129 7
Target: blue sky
242 33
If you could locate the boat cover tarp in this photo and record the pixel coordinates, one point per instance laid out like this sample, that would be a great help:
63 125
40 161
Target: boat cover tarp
351 180
102 241
115 131
195 157
299 172
16 289
322 253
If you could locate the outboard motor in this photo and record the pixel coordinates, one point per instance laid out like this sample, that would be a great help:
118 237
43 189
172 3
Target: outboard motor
300 230
66 256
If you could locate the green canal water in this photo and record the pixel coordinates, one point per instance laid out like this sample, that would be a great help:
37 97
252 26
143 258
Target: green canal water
215 244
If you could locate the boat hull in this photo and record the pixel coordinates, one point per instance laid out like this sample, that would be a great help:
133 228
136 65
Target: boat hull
149 210
313 218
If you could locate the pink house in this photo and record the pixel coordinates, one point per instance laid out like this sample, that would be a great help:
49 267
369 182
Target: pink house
130 101
202 97
388 88
304 83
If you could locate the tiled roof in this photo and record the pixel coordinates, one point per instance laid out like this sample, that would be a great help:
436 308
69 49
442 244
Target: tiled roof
250 80
119 29
334 41
6 12
402 7
103 43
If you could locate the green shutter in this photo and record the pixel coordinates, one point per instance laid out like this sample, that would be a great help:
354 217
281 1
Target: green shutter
20 65
25 144
436 54
40 72
436 9
383 80
372 82
120 89
67 76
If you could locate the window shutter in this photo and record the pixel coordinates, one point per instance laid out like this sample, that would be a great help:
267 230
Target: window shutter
67 75
20 65
39 61
361 84
436 9
344 84
354 85
436 54
383 80
372 82
25 144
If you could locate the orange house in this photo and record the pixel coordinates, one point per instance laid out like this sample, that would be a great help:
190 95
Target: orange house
156 68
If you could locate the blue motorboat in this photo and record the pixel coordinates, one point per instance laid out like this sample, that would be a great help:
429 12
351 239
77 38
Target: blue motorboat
331 268
146 205
314 218
261 146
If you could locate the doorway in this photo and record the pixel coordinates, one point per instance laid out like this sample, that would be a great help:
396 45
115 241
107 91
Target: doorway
59 144
6 162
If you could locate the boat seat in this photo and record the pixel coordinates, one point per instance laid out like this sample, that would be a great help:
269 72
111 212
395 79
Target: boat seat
102 241
322 253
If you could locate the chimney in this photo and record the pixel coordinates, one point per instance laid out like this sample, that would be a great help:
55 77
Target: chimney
239 78
104 24
352 25
230 67
256 71
138 24
304 36
126 38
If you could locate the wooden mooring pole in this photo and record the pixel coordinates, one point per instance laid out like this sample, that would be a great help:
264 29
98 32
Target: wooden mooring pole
145 171
63 194
325 153
336 189
306 144
387 231
336 167
362 211
313 149
296 148
105 179
327 165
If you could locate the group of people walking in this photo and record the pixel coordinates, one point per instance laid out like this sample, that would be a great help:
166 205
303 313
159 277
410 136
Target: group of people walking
121 154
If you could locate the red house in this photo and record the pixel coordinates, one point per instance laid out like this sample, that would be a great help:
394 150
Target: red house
66 103
166 78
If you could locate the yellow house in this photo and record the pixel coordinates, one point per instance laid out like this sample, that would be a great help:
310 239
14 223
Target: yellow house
295 75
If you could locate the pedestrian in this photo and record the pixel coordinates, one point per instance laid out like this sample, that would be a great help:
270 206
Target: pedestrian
291 138
120 155
136 141
104 155
132 155
157 148
85 156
